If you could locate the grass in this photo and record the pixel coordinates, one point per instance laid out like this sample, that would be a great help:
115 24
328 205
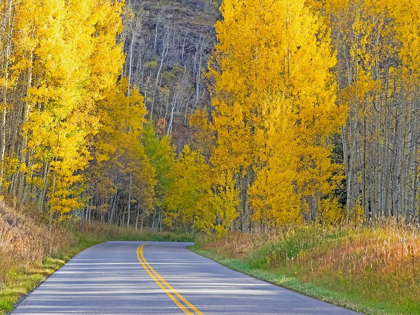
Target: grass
374 270
22 280
29 253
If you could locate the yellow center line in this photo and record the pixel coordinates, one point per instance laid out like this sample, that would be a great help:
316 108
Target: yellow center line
169 286
169 290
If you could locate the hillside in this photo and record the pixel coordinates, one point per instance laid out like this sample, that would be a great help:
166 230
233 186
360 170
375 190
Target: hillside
167 46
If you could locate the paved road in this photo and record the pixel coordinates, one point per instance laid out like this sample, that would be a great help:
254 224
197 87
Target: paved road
160 278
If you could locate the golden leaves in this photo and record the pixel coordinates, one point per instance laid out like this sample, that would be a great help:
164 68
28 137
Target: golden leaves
70 51
274 101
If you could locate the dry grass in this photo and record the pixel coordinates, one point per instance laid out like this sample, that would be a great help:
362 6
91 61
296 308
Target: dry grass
378 267
381 264
25 245
23 240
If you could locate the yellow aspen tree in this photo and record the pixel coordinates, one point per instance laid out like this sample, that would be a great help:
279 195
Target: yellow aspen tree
75 59
218 205
274 106
203 138
406 76
8 79
273 194
405 14
187 199
224 201
119 160
377 44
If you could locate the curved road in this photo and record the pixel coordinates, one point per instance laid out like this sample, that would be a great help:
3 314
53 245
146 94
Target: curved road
160 278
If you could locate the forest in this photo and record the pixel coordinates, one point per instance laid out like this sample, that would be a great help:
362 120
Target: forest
200 116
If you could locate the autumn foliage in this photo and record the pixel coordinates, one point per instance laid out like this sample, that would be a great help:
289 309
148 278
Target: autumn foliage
312 115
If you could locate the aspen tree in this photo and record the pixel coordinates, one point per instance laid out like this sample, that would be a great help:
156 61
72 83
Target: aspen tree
120 165
186 200
162 158
274 107
70 57
377 44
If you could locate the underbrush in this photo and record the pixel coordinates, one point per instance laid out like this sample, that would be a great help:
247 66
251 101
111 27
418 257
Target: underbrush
100 232
29 252
375 270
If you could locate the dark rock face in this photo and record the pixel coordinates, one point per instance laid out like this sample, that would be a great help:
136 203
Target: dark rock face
167 44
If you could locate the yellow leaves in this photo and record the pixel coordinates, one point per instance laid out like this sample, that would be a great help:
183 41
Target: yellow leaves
233 137
10 166
70 54
224 201
406 14
188 187
203 137
118 154
331 212
274 100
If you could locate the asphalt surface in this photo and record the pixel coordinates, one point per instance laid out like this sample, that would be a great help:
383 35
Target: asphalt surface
114 278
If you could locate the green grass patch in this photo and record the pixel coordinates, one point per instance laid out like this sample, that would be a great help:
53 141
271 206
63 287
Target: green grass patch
286 280
22 280
370 270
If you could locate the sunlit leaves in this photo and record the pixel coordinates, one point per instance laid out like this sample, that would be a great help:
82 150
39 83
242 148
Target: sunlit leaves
71 51
274 100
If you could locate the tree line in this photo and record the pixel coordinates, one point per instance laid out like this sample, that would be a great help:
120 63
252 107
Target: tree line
303 111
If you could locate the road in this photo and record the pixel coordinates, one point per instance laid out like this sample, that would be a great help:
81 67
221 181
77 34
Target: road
160 278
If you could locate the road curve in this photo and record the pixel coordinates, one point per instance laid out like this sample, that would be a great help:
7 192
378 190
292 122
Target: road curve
160 278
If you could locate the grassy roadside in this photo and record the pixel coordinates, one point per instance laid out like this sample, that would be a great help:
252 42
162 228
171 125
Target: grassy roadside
22 279
29 253
370 270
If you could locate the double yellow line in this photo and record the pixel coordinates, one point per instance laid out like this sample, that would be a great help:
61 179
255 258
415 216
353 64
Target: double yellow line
177 298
